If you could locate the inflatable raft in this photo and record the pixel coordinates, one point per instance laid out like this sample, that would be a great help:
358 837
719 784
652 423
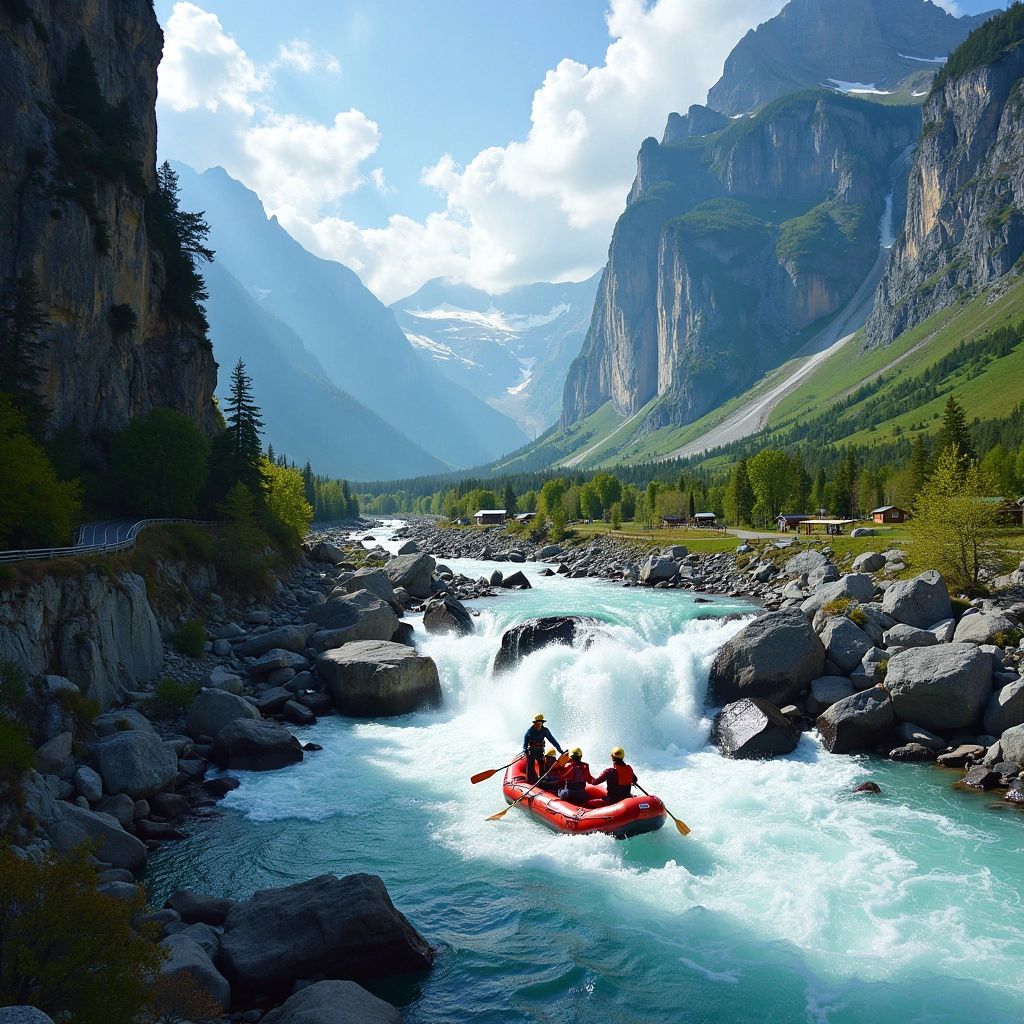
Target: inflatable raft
630 817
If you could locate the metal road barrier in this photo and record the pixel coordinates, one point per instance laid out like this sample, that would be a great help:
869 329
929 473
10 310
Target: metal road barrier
97 538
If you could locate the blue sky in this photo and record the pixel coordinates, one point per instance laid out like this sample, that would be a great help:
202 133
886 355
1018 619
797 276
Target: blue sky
488 140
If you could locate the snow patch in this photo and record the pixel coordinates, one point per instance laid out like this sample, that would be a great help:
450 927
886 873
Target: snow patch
925 60
859 88
493 319
436 350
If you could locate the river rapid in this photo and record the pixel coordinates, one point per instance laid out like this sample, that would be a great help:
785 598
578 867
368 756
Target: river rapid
792 900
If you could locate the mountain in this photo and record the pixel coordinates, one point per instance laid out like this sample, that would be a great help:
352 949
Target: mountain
883 45
964 228
513 349
77 172
352 335
734 249
305 415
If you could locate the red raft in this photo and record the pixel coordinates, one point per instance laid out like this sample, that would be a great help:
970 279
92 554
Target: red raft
630 817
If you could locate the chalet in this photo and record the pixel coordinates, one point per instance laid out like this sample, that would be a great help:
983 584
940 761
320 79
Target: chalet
705 519
526 517
791 522
890 514
491 517
673 522
1008 513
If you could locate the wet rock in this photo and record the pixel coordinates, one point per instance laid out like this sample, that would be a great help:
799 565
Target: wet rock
271 701
753 729
256 746
532 635
911 733
297 714
517 581
447 616
981 778
329 927
868 787
334 1002
213 709
860 722
193 907
912 752
962 755
221 786
379 679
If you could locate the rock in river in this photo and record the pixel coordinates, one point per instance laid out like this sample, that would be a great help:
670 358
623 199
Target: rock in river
534 634
334 1002
859 722
447 615
942 688
411 572
359 616
256 746
753 729
212 709
374 679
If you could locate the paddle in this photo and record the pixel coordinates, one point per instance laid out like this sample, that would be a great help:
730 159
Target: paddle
481 776
684 829
558 764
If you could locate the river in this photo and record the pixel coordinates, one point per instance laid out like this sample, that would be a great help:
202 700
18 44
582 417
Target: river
793 900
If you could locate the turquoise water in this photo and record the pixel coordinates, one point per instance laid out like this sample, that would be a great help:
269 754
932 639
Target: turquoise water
793 900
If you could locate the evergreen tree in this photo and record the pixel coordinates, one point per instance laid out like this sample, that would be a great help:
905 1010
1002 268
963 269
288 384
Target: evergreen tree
919 460
693 507
739 495
819 492
843 485
801 484
510 500
244 428
954 433
309 485
21 321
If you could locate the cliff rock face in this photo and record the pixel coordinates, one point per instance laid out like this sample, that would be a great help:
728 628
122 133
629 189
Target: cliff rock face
74 175
965 204
879 43
732 243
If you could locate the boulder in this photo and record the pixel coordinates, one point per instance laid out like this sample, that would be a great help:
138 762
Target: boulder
825 692
854 587
984 628
375 581
944 631
860 722
902 635
358 616
121 720
549 551
825 574
54 755
774 658
911 733
871 669
88 784
328 927
256 746
961 756
657 570
374 679
517 581
912 753
1011 743
135 762
532 635
413 572
919 602
448 615
287 638
981 778
410 547
188 958
326 552
334 1002
298 714
23 1015
942 688
845 643
212 709
862 531
870 561
271 701
753 728
194 909
76 825
1005 709
806 562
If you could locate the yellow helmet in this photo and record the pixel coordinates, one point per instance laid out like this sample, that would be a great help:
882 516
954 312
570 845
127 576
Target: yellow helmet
550 752
539 717
619 753
576 753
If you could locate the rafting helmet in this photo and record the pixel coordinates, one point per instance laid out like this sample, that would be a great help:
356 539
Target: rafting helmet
619 753
550 752
539 717
576 754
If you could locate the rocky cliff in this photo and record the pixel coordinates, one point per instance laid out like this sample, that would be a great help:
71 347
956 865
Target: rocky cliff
731 245
77 163
964 227
877 44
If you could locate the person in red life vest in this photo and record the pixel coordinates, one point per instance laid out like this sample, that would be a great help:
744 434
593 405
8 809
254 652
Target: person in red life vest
575 777
533 743
553 780
618 779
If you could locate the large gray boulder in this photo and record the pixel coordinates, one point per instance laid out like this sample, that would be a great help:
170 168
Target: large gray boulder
329 927
344 620
256 746
374 580
774 658
857 587
869 561
825 692
984 628
23 1015
532 635
942 688
753 729
287 638
212 709
1005 709
806 562
327 552
447 615
920 602
75 825
136 763
121 720
845 643
334 1002
377 678
189 959
902 635
859 722
411 572
1011 744
194 908
657 570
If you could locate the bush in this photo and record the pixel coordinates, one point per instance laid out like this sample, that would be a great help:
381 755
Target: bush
242 556
17 757
13 688
82 709
170 698
68 949
286 501
189 638
122 319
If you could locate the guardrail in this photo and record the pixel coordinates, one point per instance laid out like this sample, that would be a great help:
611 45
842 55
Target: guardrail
116 536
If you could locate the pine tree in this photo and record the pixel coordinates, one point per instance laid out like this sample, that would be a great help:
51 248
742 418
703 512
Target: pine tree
954 432
819 492
510 500
919 460
693 506
21 321
801 483
846 477
244 428
739 495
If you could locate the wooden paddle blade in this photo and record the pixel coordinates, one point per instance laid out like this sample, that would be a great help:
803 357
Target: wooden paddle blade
500 814
563 757
684 829
480 776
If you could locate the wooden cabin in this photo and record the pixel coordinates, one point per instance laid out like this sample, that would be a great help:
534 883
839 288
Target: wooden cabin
787 522
491 517
890 514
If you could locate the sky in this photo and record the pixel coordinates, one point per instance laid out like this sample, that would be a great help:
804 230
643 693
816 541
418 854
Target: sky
488 141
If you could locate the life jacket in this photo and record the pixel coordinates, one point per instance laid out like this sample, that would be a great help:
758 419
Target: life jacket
536 741
575 774
619 787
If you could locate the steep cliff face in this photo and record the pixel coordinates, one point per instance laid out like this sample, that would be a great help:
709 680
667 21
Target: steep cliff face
964 228
877 43
76 166
733 243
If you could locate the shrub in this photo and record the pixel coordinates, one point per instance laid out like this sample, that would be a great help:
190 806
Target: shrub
286 501
858 616
189 638
17 757
170 698
881 669
1009 638
840 606
68 949
83 710
13 688
122 319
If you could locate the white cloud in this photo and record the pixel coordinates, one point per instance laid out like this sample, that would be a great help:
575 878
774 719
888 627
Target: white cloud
298 54
538 208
